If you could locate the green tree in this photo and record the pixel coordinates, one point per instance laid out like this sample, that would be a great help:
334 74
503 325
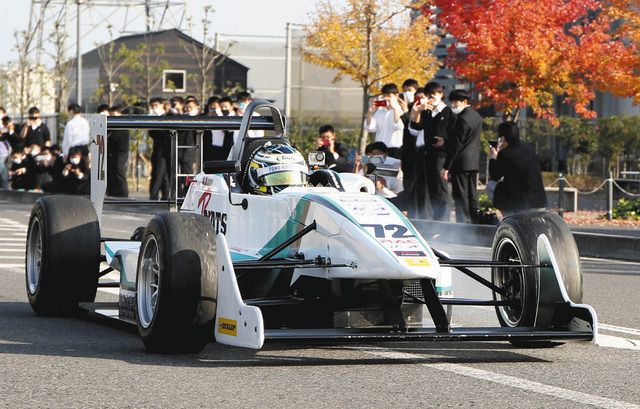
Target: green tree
581 138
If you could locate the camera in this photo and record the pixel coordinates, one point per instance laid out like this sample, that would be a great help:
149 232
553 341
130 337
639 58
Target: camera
380 103
374 160
493 144
316 159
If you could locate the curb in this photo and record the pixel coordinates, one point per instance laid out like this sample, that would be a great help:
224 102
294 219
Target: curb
589 244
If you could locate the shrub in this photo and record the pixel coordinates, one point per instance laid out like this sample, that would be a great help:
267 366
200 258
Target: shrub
627 209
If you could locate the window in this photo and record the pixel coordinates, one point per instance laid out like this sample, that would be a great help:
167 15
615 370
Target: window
174 80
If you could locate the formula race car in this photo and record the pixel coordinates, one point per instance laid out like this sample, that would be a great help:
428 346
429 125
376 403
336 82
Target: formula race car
264 249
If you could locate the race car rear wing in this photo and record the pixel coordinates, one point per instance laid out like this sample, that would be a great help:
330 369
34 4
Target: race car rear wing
101 125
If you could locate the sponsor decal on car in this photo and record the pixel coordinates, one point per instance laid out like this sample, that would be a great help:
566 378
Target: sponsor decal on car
417 261
228 326
218 219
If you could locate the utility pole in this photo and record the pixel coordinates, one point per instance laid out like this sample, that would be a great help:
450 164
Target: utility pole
287 75
78 55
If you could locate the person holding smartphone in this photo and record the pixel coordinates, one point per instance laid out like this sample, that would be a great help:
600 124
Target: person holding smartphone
516 168
431 122
35 131
384 119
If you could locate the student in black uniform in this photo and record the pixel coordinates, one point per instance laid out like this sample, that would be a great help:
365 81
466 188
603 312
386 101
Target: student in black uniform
160 157
434 123
117 156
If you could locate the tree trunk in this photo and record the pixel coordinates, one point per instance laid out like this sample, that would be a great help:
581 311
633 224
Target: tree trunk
364 135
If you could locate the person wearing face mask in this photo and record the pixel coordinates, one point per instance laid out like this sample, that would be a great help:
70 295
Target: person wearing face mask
243 100
380 151
5 152
160 185
213 106
385 119
431 122
34 130
76 131
75 175
187 157
13 134
463 157
521 188
17 171
409 88
222 141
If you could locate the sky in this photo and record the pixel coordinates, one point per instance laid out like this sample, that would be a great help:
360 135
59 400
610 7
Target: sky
250 17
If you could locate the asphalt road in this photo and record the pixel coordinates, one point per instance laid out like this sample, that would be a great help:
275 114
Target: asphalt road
88 362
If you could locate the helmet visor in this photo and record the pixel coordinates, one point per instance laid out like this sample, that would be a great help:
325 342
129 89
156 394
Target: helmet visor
286 178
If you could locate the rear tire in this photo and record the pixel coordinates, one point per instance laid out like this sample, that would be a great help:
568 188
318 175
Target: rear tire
516 239
63 254
176 283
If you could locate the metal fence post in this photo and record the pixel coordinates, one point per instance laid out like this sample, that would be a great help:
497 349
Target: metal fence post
561 183
610 197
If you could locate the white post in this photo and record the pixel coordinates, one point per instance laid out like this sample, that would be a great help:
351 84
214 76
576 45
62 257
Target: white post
78 56
287 75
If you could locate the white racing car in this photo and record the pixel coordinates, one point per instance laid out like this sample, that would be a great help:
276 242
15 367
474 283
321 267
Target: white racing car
262 249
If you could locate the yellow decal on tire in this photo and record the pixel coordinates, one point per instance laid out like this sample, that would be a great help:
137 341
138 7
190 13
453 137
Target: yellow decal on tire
227 326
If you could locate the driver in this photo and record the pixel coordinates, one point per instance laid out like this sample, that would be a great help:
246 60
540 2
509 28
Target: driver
274 167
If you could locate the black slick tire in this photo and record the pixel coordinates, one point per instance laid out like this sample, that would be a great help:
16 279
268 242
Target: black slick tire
68 260
182 318
516 238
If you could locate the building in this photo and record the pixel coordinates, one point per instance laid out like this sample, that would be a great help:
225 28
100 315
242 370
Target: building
173 71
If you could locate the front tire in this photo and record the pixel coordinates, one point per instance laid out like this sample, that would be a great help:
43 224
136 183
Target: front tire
516 241
176 283
63 254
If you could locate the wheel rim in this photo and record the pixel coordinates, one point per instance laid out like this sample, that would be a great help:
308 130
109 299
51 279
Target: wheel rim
510 279
34 256
148 285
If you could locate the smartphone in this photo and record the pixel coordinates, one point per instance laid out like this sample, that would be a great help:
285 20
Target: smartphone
380 103
493 144
417 101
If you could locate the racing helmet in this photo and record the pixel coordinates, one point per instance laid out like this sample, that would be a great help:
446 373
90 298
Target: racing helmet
273 167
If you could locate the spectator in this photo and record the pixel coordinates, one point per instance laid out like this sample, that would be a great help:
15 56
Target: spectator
117 156
222 141
75 174
335 154
160 157
408 158
213 107
35 131
3 115
13 134
431 122
384 118
18 170
378 152
76 131
463 157
244 99
177 106
187 156
5 153
521 189
409 88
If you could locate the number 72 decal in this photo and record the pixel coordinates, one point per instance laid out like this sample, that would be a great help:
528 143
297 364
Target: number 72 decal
396 231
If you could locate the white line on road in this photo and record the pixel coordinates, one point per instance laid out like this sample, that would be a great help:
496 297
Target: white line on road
10 239
512 381
624 330
609 341
12 257
7 265
3 250
12 244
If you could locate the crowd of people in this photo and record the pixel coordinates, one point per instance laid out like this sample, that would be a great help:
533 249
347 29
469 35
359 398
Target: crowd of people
29 160
437 147
434 146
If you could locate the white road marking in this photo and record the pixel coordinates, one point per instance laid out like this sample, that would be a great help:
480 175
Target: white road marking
2 250
609 341
12 257
7 265
115 291
12 240
624 330
12 244
511 381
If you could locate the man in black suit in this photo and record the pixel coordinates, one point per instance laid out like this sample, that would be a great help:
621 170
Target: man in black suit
35 131
161 156
117 156
463 157
434 124
522 188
